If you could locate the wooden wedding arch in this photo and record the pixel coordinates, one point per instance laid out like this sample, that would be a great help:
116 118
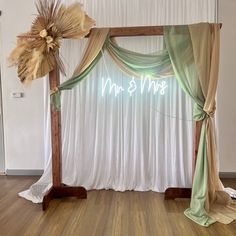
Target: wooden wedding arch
58 189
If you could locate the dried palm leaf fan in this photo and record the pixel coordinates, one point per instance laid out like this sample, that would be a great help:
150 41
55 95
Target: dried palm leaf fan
37 51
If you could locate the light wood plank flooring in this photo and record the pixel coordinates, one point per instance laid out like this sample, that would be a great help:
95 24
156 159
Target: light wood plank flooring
103 213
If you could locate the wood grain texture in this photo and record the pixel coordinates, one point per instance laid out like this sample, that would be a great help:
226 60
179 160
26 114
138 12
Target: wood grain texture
198 126
63 191
48 197
69 191
54 81
129 31
173 193
104 213
136 31
58 190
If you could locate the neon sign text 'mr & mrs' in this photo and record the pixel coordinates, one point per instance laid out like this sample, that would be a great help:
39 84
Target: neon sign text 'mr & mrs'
134 85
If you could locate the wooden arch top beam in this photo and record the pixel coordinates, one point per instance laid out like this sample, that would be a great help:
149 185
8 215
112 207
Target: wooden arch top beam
134 31
130 31
137 31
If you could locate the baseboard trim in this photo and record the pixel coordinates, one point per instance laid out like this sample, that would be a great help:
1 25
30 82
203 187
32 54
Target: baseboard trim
224 175
22 172
228 175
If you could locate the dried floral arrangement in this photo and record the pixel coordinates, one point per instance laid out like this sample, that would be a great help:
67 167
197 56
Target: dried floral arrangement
37 51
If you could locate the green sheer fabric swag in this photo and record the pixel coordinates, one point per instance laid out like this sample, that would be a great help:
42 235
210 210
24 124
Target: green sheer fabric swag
150 66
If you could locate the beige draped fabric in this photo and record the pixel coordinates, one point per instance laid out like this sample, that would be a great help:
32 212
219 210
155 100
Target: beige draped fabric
96 41
206 55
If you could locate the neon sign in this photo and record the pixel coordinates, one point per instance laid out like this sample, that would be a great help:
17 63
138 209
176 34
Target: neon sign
140 85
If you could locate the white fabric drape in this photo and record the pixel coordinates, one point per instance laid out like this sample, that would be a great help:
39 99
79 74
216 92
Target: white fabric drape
143 142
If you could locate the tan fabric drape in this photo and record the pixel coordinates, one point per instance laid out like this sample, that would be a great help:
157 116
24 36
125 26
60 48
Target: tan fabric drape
206 55
95 43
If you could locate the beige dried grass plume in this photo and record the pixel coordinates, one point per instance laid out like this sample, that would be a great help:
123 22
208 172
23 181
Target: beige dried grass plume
37 52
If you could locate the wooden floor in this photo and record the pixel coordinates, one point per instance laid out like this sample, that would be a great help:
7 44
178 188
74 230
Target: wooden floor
104 213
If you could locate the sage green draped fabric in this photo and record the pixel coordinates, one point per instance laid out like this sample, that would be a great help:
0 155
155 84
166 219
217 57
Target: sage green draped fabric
150 66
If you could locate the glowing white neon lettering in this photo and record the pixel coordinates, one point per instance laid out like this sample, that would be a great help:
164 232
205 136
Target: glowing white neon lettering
156 86
143 82
132 87
163 87
112 86
143 85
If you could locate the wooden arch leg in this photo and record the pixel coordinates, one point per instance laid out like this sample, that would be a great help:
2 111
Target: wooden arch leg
58 190
173 193
63 191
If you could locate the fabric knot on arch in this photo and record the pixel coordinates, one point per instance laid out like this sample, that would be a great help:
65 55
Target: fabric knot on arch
200 114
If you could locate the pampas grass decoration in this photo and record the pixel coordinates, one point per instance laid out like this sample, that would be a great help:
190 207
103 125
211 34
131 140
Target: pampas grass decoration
37 52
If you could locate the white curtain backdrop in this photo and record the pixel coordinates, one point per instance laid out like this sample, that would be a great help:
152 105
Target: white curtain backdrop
140 142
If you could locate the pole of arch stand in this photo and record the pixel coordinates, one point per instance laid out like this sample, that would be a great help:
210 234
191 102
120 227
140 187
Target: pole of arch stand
173 193
58 189
56 133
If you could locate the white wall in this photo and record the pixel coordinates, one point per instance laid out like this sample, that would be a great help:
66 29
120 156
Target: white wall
227 87
23 117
